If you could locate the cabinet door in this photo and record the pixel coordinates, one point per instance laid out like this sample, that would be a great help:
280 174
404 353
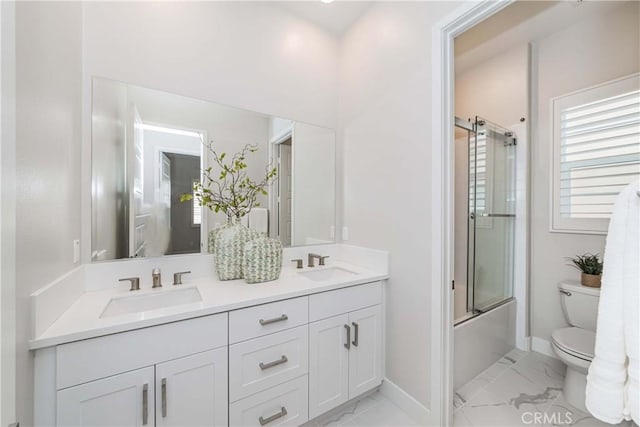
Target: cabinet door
328 364
192 391
365 355
121 400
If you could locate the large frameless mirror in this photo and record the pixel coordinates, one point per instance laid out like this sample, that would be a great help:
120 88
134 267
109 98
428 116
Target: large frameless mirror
149 147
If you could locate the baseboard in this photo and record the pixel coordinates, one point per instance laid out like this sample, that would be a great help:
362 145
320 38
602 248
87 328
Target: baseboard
418 412
542 346
523 343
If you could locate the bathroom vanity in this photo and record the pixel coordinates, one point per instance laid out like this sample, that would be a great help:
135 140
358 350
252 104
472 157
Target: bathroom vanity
277 353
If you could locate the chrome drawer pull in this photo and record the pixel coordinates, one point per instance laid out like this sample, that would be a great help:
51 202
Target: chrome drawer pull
355 339
280 361
274 320
145 404
265 421
347 345
164 398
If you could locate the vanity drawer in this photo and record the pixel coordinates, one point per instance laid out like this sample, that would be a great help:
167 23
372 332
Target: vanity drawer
83 361
285 404
265 319
267 361
333 303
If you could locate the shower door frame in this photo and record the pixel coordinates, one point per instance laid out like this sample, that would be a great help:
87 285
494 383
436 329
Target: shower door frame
442 197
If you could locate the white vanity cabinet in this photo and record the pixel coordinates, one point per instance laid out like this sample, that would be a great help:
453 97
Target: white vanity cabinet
190 391
93 403
345 350
168 375
279 363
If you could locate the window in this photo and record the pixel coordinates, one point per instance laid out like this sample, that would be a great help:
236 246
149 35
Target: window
480 180
196 210
596 135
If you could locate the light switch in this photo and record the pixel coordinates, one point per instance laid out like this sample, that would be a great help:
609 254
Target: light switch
345 233
76 251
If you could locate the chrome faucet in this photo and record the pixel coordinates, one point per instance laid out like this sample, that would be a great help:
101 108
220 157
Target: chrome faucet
320 258
157 278
177 277
135 283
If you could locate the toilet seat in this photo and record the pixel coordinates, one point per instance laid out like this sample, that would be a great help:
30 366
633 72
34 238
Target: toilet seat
576 342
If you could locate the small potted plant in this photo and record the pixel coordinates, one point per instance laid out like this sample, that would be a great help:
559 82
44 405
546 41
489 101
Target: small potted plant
591 268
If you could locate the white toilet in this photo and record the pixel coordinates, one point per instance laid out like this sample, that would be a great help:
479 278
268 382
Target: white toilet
575 345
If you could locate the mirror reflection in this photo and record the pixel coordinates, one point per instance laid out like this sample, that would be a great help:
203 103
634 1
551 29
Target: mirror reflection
149 148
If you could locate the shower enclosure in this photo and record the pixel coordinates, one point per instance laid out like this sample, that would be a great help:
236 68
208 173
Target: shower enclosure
490 216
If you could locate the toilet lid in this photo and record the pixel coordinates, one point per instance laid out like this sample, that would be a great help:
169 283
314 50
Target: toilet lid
576 341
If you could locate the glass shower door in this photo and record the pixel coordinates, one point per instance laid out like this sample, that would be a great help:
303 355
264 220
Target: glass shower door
491 222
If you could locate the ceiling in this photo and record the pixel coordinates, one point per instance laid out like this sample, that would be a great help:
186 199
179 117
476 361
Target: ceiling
520 23
334 17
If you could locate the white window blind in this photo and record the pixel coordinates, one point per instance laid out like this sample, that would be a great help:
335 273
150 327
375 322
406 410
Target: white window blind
480 180
597 140
478 174
196 210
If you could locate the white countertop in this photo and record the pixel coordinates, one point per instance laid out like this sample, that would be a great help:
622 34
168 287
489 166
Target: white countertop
82 319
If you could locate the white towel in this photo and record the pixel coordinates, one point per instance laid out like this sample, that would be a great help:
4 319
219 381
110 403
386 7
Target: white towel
612 393
259 220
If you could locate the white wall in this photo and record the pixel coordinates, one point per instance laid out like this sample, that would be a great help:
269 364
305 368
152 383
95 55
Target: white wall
385 111
601 48
249 55
48 90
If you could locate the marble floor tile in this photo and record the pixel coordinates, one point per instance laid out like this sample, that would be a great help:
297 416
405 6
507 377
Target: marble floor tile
520 389
487 409
385 414
541 369
345 414
516 354
561 413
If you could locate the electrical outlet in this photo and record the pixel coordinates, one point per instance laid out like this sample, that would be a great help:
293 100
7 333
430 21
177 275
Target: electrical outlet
76 251
345 233
332 232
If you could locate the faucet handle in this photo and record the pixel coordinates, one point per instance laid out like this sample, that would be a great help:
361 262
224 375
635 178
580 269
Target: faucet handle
322 258
298 262
135 283
177 277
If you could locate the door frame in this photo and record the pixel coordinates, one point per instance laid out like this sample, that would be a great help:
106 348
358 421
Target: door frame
8 303
442 198
274 156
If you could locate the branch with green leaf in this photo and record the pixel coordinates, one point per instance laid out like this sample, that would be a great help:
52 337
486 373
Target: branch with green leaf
227 188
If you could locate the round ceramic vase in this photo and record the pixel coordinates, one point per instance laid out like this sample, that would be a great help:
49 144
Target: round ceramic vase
228 248
262 260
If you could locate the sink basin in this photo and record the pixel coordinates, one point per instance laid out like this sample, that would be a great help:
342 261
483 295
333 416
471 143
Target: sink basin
330 273
139 303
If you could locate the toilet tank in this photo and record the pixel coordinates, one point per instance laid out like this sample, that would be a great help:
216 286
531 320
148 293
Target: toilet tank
579 304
